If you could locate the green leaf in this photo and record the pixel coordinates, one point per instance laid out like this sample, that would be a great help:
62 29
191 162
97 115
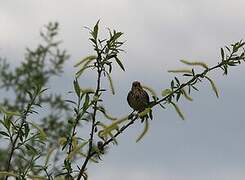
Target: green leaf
178 96
26 129
177 80
146 127
36 177
88 91
5 173
7 122
88 58
50 151
113 126
111 83
145 112
235 48
4 133
86 61
76 150
96 29
9 113
119 63
172 84
150 113
42 134
178 110
188 71
222 54
86 66
103 110
150 90
116 36
91 39
213 86
85 176
30 94
31 149
194 87
85 155
86 103
166 92
113 138
195 63
186 95
77 87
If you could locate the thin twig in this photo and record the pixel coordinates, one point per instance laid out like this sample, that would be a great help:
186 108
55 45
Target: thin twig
99 71
13 147
90 155
75 125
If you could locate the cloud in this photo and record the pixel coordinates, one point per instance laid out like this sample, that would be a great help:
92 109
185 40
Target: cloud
209 145
159 174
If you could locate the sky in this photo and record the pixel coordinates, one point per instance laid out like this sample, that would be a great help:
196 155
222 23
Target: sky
209 144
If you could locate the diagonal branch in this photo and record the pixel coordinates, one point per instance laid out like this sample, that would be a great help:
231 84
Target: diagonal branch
131 122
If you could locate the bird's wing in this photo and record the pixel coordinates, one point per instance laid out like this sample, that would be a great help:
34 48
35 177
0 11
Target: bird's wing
129 97
147 98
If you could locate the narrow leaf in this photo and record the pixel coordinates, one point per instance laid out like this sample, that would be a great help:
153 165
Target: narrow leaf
77 87
150 90
119 63
86 103
222 53
188 71
50 151
186 95
31 149
195 63
4 133
62 140
111 83
146 127
145 112
213 86
9 113
84 67
76 150
88 58
42 134
103 110
96 29
5 173
177 109
166 92
36 177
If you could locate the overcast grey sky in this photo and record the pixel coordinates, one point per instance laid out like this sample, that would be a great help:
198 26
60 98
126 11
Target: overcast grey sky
209 145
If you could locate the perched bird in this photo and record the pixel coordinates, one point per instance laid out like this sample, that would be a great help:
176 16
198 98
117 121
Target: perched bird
137 98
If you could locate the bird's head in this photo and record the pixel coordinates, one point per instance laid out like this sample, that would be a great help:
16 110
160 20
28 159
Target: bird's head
136 85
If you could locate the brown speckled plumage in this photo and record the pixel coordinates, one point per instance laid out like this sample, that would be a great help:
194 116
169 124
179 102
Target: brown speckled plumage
138 99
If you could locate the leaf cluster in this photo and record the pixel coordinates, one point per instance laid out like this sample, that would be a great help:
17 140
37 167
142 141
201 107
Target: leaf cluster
39 66
57 136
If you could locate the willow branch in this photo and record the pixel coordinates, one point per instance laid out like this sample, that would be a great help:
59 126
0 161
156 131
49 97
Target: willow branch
131 122
99 71
14 141
75 126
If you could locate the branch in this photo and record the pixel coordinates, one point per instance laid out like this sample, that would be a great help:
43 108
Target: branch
75 126
99 71
23 120
123 128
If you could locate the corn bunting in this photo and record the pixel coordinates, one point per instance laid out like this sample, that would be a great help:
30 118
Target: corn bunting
137 98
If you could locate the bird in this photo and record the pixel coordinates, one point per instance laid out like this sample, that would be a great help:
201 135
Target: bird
138 99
